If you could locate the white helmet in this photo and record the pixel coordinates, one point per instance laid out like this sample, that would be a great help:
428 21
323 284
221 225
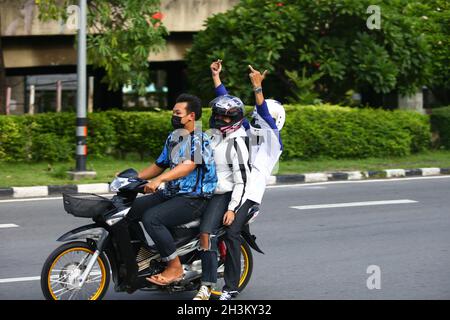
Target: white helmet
277 113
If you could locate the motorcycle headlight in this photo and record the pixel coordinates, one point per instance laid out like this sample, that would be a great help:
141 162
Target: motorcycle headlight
118 183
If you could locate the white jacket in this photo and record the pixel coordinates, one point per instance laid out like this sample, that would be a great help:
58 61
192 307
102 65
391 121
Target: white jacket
232 165
265 152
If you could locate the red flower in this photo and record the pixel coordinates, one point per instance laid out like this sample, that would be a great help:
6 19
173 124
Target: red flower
280 4
158 16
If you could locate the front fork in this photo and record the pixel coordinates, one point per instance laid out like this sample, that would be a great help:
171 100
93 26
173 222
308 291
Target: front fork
88 269
100 246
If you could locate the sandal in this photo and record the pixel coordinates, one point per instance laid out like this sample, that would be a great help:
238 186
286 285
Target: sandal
160 280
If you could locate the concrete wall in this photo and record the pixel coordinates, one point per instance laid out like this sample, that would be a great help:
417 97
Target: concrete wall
20 18
189 15
52 53
33 53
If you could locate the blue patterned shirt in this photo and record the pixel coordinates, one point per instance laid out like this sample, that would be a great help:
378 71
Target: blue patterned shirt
196 146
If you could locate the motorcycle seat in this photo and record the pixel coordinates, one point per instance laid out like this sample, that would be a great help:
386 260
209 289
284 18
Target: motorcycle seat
185 233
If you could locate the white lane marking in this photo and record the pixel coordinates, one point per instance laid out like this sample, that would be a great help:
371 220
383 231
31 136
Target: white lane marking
353 181
8 225
316 187
353 204
9 280
37 278
30 199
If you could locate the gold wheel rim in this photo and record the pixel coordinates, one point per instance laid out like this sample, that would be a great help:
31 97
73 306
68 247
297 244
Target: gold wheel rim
99 261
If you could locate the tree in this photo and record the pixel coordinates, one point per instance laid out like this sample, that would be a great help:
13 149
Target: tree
122 35
432 20
327 38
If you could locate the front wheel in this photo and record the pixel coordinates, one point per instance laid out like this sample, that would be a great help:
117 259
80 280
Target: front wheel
63 268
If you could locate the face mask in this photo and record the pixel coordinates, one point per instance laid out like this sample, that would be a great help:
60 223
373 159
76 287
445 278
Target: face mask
217 123
176 122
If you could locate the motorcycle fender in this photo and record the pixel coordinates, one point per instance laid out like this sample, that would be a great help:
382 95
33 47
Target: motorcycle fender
251 239
90 231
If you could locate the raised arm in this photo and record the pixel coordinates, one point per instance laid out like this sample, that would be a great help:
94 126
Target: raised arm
219 88
261 107
257 78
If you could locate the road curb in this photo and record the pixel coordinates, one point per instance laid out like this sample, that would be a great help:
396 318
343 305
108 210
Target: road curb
357 175
52 190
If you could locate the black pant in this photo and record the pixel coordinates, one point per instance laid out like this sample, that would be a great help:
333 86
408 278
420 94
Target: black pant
159 213
211 221
233 242
143 203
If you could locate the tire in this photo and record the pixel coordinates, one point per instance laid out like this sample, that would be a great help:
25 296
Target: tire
246 274
65 250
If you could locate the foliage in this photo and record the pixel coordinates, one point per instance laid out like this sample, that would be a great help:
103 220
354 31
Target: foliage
432 20
50 147
309 132
121 36
140 132
13 141
327 37
440 123
304 91
342 132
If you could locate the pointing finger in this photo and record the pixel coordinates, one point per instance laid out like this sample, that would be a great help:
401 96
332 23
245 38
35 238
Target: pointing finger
251 68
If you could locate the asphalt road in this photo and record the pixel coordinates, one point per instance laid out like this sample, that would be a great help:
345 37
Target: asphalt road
311 252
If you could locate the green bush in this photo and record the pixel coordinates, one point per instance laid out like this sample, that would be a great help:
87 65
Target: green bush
102 137
310 132
61 124
440 123
140 132
417 126
340 132
51 136
51 147
13 141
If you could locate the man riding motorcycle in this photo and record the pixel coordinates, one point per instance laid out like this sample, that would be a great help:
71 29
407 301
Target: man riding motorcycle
189 184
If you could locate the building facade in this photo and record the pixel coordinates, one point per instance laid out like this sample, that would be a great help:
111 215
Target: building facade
43 54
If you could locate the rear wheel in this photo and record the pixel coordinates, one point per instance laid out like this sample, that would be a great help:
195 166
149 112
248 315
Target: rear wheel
246 269
63 269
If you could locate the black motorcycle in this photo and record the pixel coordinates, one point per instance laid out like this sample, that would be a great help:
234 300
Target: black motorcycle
120 247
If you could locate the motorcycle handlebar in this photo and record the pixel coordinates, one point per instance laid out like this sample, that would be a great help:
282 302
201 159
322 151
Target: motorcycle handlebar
142 183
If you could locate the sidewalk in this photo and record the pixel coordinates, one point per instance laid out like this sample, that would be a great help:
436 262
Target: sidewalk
102 188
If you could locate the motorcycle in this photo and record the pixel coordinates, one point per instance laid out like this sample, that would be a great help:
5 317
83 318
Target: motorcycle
118 247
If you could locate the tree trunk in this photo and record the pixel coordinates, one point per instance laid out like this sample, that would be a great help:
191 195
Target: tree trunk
2 75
